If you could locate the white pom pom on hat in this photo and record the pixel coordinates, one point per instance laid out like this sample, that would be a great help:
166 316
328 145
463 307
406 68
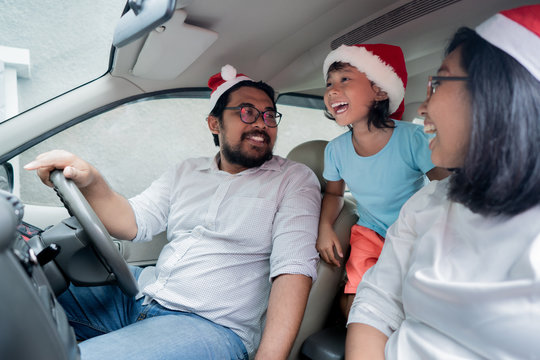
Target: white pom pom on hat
223 81
228 72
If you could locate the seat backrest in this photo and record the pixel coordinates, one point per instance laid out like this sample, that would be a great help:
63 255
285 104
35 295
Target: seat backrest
324 290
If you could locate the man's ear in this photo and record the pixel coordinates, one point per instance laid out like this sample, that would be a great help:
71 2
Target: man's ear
379 93
213 124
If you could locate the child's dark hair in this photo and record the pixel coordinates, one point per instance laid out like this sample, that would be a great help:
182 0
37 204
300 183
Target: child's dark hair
379 113
501 171
223 100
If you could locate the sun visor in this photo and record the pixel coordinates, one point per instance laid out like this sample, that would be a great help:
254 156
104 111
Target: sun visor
171 48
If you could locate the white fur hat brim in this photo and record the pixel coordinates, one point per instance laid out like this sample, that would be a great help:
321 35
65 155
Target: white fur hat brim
514 39
214 97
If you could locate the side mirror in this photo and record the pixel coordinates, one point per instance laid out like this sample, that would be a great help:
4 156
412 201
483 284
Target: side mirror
143 16
6 177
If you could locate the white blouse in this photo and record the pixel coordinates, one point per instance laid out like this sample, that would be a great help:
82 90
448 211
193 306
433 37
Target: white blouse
452 284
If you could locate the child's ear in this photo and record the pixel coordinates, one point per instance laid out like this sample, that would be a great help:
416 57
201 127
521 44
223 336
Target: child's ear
379 93
213 124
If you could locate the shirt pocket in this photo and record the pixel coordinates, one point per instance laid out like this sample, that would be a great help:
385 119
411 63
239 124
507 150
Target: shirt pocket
249 221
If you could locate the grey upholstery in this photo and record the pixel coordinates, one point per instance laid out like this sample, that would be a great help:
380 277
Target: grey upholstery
311 153
328 277
327 344
142 254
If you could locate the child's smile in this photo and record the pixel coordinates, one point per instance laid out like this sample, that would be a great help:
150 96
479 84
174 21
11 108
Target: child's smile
339 107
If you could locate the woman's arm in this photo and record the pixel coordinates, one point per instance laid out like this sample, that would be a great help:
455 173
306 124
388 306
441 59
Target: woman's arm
377 311
364 342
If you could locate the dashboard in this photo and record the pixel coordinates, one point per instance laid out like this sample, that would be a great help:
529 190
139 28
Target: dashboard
34 325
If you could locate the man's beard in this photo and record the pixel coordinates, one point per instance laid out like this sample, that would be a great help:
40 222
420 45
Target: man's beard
234 155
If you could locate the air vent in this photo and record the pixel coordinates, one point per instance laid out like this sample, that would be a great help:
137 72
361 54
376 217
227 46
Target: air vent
390 20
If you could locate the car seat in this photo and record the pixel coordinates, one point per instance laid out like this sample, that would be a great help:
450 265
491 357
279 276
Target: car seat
324 290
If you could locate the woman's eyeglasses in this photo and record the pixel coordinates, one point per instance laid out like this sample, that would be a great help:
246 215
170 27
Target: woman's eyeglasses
435 81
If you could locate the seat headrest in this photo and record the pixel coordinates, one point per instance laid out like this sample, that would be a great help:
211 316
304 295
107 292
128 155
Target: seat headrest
311 153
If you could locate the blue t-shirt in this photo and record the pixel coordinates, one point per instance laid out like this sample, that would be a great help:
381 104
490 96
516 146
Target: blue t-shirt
381 183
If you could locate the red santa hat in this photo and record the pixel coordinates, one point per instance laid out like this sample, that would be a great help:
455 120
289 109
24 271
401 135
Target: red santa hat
517 33
223 81
383 64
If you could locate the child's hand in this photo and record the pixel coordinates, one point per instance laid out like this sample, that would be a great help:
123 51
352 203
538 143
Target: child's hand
326 243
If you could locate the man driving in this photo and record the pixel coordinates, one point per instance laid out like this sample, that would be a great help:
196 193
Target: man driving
234 278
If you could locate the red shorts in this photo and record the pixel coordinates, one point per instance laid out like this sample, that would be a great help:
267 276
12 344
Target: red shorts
366 246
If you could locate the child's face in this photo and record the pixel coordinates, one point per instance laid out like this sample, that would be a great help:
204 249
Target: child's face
349 95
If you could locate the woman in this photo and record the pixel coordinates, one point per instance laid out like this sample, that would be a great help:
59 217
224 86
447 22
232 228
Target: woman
459 274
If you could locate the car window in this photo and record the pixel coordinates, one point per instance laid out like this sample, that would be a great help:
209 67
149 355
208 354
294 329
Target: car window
136 142
51 47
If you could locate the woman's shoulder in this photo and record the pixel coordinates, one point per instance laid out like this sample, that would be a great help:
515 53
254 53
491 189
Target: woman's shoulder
433 194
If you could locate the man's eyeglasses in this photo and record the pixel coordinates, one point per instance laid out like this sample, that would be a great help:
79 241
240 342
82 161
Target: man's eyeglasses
435 81
250 114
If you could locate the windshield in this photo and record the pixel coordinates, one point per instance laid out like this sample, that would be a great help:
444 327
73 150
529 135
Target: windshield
50 47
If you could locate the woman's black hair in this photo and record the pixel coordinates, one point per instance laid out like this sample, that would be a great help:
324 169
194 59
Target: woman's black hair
379 113
501 171
223 100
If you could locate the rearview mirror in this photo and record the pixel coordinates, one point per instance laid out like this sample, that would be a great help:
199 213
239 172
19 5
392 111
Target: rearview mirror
6 177
143 16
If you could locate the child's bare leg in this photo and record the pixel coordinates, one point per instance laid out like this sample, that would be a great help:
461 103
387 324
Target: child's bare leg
346 303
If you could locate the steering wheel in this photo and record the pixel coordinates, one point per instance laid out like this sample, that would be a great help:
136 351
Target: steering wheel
100 239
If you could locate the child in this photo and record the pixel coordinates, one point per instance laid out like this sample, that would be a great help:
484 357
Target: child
381 160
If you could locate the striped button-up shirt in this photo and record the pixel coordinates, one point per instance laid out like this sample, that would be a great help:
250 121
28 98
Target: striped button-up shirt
229 236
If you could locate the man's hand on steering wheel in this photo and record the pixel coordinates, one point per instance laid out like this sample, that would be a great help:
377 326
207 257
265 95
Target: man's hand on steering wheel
74 168
67 173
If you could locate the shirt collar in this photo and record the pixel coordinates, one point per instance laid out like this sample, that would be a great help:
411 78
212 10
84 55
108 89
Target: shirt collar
212 164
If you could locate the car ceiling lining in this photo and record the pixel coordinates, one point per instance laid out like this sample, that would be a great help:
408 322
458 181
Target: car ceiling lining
392 19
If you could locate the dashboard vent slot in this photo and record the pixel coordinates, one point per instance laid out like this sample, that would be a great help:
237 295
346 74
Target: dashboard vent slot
390 20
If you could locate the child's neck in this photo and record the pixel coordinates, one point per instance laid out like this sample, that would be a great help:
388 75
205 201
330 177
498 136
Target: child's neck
368 142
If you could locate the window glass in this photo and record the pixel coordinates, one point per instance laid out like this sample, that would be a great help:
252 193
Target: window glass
300 124
130 145
135 143
68 43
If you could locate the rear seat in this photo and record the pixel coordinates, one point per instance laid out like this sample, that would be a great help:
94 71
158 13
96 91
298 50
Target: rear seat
313 341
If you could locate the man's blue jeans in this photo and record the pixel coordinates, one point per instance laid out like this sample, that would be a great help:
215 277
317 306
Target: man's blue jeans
115 326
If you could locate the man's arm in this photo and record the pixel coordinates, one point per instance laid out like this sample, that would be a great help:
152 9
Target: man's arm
113 210
293 261
286 305
364 342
